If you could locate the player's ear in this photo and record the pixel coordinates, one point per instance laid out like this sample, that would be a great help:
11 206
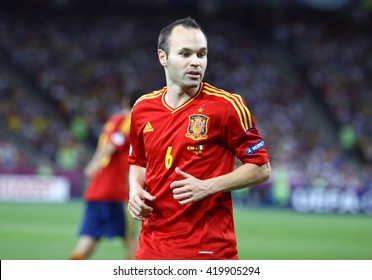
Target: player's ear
162 57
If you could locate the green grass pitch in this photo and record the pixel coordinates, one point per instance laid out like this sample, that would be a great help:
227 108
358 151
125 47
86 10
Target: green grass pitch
48 232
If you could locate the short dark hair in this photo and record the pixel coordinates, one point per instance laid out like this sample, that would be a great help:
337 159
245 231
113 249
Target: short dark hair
164 34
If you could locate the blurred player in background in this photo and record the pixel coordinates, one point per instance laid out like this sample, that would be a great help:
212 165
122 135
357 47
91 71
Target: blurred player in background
184 139
107 193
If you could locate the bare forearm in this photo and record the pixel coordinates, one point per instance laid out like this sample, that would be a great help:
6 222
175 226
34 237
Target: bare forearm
96 162
139 197
107 150
136 177
244 176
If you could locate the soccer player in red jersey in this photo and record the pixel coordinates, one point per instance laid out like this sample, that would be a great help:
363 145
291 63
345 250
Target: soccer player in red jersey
105 213
184 138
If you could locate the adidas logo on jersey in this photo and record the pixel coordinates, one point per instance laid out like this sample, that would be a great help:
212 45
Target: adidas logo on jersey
148 128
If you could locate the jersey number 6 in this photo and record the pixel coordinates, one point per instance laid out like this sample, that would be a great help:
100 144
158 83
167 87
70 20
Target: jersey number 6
168 158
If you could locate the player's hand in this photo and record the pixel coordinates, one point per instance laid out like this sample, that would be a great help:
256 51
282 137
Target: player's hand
190 189
91 169
137 206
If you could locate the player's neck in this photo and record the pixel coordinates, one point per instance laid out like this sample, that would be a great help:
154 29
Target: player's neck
176 96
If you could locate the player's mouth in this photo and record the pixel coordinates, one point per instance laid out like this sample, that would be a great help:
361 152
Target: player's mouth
194 74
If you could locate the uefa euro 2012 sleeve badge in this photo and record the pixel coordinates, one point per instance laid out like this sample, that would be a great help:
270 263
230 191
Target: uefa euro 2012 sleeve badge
197 128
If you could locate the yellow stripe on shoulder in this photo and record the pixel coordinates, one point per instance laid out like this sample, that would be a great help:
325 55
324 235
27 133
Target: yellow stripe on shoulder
151 95
125 125
237 102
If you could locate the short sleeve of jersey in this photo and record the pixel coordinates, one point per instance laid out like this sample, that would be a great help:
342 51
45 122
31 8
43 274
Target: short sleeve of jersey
116 130
137 151
241 134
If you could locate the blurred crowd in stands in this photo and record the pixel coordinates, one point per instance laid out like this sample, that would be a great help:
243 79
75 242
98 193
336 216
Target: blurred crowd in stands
338 64
63 76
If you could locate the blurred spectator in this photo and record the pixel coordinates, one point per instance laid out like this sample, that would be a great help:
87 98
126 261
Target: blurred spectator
11 157
79 128
337 59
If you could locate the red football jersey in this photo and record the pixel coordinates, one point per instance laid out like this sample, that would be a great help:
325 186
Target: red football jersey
201 137
111 182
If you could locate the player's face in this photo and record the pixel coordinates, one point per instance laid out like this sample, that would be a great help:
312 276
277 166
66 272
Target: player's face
187 58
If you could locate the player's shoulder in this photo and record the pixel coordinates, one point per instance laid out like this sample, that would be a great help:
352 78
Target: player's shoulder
117 117
221 95
114 122
149 97
111 119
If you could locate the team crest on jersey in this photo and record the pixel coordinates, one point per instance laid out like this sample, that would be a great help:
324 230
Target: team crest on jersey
197 128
